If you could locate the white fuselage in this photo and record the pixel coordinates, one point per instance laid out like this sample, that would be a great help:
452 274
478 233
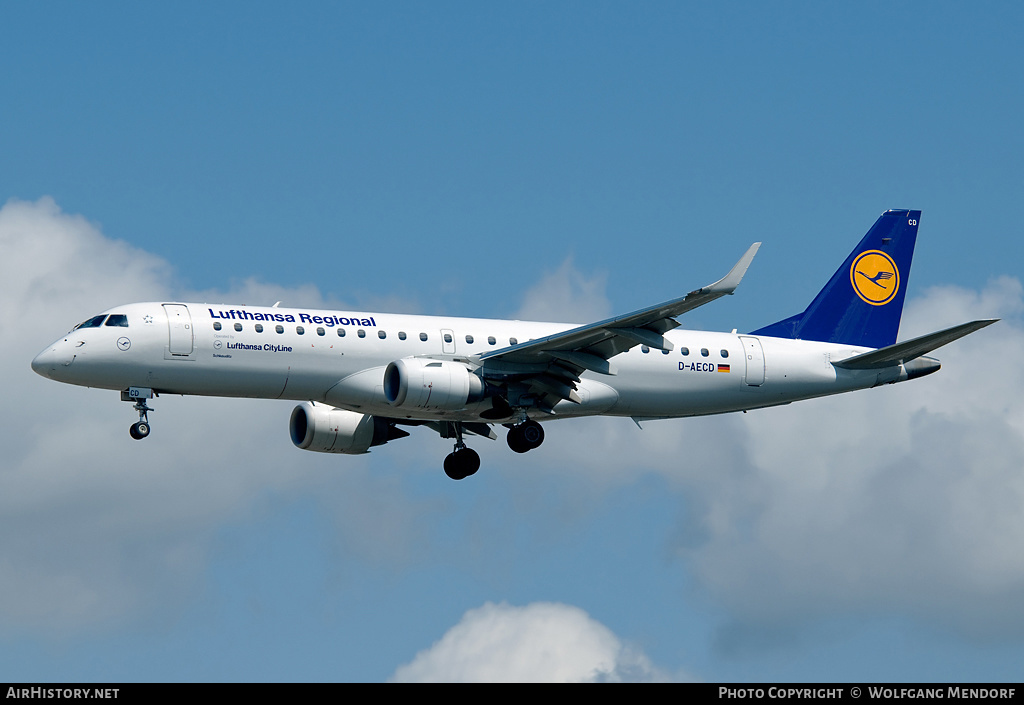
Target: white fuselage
339 358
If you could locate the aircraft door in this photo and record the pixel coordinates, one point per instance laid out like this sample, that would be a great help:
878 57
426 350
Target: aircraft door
179 330
447 342
753 354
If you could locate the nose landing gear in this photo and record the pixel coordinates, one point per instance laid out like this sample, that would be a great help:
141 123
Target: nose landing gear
140 430
139 395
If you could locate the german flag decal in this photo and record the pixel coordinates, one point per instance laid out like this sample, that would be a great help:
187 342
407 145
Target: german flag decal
723 368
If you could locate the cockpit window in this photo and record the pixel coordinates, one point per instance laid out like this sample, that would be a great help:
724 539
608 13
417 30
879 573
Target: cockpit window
95 322
118 319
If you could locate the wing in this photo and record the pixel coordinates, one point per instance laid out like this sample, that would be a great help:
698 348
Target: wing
550 366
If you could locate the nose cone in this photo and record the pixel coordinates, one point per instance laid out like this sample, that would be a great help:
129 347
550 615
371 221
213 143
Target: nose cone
43 362
50 361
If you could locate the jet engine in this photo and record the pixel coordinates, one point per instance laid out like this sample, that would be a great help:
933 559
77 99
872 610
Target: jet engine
326 429
431 384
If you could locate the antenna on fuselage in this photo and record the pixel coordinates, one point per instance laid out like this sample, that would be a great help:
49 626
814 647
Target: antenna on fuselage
276 305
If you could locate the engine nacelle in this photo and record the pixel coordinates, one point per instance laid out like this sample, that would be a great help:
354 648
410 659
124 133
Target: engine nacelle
326 429
439 385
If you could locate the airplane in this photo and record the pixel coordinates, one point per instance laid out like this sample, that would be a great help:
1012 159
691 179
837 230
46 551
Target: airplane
361 377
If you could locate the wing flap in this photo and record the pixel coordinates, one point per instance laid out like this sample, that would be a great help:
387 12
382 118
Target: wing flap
447 429
556 387
585 361
643 336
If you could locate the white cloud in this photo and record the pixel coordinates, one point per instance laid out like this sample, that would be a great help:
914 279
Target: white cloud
542 642
96 527
566 295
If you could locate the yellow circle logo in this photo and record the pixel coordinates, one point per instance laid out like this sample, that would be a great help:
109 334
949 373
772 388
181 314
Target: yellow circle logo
875 277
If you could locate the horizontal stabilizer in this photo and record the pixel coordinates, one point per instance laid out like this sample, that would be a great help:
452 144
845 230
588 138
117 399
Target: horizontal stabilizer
910 349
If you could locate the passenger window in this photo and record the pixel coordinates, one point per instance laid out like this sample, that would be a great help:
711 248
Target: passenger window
381 334
469 338
704 352
664 352
513 341
238 327
725 353
361 333
300 330
644 349
491 340
320 331
118 319
258 327
401 335
216 325
279 328
423 337
341 332
447 337
684 351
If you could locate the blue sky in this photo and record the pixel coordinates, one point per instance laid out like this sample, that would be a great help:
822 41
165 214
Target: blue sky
553 160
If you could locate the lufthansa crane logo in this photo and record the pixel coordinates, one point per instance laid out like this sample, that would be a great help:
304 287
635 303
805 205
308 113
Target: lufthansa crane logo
875 277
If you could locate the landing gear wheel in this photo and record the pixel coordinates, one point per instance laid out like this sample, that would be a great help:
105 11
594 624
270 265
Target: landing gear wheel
532 433
526 436
139 430
461 464
516 441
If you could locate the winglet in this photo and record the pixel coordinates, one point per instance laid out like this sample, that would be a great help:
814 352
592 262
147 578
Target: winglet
728 283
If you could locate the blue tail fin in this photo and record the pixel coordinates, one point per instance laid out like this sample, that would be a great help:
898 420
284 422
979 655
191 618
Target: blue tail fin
862 302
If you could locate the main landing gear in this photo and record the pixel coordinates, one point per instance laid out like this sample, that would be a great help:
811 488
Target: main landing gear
526 436
461 462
